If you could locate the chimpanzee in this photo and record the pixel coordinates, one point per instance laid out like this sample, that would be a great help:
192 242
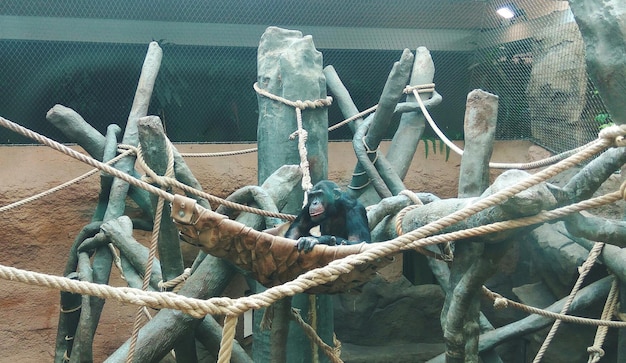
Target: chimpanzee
342 219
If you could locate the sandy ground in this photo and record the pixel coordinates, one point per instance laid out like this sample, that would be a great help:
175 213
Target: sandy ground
37 236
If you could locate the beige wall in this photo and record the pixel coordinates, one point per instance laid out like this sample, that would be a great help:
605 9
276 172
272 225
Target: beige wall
37 236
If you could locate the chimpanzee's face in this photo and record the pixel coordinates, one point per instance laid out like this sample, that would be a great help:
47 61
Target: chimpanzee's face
317 207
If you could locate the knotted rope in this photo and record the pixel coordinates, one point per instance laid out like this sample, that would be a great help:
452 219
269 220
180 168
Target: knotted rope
584 270
417 238
176 283
158 216
595 351
301 132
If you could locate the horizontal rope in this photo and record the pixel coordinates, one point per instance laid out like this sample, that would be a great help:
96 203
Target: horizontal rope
315 277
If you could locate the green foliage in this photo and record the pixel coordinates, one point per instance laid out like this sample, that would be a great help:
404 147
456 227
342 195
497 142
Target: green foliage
442 147
603 120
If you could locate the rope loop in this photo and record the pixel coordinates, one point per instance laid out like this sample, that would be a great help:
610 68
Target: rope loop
322 102
166 181
420 88
596 351
176 283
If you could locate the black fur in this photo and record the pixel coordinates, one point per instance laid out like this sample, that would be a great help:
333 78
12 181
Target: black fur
343 221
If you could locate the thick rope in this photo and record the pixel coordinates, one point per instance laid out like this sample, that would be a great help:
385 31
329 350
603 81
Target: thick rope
304 162
323 102
583 271
522 166
330 272
225 306
410 239
301 132
228 338
595 351
156 230
352 118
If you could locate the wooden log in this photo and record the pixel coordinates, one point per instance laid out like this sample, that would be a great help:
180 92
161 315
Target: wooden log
289 66
586 297
367 138
342 97
120 232
412 125
481 114
77 129
612 256
253 195
65 326
582 185
83 342
154 145
209 277
153 343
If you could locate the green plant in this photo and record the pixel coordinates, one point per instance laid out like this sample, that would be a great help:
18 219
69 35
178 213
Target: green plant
603 120
442 147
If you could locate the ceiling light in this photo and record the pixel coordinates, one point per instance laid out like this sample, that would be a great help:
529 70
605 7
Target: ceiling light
506 12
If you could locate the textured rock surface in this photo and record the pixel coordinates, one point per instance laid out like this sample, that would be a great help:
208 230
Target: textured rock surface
378 315
556 93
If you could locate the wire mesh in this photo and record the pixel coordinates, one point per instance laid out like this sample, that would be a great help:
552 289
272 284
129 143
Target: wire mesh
88 56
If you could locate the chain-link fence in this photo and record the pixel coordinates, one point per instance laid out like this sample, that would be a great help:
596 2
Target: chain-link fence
87 55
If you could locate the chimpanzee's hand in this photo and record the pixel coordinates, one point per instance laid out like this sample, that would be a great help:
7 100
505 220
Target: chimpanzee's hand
306 244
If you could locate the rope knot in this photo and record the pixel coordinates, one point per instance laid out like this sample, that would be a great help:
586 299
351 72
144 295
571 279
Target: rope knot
597 351
300 104
500 303
297 133
614 134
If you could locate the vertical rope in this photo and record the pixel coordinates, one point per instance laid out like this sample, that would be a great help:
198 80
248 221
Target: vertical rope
304 162
154 242
228 336
584 270
595 351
